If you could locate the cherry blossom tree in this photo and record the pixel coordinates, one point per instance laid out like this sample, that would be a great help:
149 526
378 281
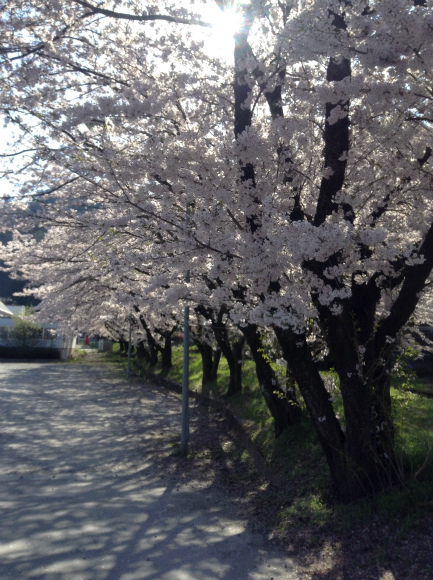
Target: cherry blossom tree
305 161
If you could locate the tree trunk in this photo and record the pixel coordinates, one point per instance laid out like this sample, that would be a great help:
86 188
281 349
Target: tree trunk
317 400
142 353
123 346
237 347
369 444
141 350
151 343
282 405
361 460
231 354
166 360
215 364
206 353
221 334
153 351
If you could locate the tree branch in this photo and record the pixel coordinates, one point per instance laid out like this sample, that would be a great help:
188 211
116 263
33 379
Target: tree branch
415 278
141 17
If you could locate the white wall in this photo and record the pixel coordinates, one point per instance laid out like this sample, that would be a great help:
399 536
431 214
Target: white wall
59 342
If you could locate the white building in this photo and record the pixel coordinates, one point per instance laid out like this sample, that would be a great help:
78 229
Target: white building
47 338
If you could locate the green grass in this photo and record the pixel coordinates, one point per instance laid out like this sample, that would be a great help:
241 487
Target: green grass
411 409
413 417
115 356
249 406
413 413
77 355
297 455
195 368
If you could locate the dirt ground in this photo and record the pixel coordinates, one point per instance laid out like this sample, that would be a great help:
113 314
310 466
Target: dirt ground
79 446
91 487
370 550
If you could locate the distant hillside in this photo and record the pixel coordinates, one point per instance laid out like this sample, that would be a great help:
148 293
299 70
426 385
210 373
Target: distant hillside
8 287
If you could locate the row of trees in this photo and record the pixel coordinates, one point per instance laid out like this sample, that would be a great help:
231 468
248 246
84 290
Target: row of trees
294 183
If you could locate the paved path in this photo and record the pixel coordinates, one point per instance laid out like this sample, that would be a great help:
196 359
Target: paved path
82 496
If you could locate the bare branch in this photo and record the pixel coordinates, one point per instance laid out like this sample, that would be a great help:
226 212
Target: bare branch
141 17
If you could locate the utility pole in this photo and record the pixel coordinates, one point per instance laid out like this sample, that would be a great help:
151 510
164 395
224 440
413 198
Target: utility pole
184 435
128 371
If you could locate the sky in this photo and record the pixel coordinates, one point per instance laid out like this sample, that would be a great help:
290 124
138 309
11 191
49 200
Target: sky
219 43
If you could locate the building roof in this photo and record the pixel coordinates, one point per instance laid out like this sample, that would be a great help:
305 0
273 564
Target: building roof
4 310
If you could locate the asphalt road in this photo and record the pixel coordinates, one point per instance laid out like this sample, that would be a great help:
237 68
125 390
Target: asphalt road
83 496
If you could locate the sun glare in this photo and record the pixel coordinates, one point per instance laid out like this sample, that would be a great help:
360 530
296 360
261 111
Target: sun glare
225 23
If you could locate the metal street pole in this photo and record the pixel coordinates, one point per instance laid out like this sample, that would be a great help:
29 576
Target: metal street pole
184 435
128 372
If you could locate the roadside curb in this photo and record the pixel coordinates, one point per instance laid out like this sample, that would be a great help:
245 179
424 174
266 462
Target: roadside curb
30 360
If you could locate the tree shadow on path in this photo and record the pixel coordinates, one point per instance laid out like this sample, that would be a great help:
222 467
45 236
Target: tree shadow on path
84 494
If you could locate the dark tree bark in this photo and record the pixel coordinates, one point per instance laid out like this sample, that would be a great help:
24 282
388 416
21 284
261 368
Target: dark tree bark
141 351
166 358
282 405
365 388
350 456
231 350
123 346
362 460
237 346
215 364
152 346
207 359
165 349
317 400
206 353
210 358
283 412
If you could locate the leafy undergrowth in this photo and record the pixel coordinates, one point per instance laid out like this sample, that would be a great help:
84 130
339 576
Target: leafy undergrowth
299 511
77 355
